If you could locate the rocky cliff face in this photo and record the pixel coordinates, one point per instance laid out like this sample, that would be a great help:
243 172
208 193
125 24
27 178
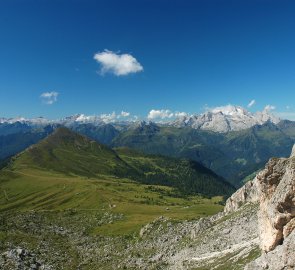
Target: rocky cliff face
282 257
277 202
249 193
274 189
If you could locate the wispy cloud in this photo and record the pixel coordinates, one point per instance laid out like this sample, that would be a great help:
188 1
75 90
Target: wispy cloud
112 117
269 107
286 115
118 64
49 97
251 103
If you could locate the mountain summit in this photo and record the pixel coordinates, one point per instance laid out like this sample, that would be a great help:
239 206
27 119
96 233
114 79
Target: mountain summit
225 119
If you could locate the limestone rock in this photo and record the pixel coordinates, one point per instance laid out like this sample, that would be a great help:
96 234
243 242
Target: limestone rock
249 193
293 151
277 192
283 257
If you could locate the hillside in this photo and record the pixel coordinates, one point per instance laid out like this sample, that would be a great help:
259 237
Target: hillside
189 177
233 155
69 153
63 197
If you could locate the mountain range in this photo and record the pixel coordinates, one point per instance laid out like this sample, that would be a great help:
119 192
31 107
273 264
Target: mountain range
220 119
233 155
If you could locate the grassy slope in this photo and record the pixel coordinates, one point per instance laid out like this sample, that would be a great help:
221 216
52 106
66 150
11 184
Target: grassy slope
68 171
32 189
72 154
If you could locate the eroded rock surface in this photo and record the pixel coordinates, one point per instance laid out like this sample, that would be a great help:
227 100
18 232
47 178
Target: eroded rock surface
249 193
282 257
277 202
274 190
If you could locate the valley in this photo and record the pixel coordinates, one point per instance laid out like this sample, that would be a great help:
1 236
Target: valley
139 205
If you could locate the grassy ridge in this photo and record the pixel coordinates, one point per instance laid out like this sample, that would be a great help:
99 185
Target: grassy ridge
72 154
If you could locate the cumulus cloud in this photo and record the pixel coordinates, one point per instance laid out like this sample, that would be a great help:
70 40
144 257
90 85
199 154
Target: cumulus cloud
251 103
180 114
108 117
124 114
164 114
269 108
160 114
49 97
118 64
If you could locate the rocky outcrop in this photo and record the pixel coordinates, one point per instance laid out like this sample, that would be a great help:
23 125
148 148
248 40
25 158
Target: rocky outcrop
274 190
249 193
282 257
293 152
19 258
277 202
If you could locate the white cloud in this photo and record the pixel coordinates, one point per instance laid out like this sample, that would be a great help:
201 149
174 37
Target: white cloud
108 117
124 114
160 114
165 114
269 108
180 114
118 64
49 97
251 103
111 117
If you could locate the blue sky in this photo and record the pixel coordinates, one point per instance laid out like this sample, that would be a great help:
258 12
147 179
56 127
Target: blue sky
180 55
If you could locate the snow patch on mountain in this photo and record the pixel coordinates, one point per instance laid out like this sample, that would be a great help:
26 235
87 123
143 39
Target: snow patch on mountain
220 119
225 119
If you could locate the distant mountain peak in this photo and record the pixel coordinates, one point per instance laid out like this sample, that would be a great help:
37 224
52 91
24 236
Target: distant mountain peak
226 118
230 110
219 119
